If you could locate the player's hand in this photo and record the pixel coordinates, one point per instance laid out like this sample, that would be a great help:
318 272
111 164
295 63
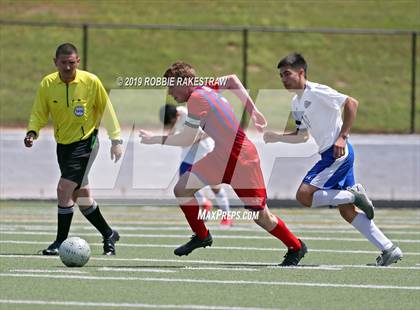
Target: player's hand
339 147
116 152
259 120
29 139
270 137
148 138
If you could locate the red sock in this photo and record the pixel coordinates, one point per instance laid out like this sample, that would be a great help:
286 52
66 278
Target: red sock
190 210
285 235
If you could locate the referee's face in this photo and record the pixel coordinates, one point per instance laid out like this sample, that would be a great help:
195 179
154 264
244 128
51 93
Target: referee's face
66 66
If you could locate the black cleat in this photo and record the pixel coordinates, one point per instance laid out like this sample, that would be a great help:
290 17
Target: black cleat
193 244
109 243
292 258
52 248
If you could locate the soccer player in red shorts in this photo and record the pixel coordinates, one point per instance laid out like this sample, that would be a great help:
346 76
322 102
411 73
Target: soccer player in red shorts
234 159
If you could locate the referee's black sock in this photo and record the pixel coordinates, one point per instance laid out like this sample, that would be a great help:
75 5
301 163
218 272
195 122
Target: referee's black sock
64 217
94 216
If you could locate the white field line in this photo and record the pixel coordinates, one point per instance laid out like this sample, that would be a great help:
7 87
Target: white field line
184 228
207 281
323 267
122 305
239 237
171 271
220 268
238 226
210 262
240 248
137 269
49 271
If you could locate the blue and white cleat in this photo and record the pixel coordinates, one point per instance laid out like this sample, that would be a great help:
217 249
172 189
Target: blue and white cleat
361 200
389 257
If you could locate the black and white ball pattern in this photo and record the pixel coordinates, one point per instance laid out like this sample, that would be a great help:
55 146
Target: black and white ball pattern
74 252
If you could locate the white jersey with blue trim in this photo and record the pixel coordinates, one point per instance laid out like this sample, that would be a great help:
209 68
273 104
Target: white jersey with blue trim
197 151
318 109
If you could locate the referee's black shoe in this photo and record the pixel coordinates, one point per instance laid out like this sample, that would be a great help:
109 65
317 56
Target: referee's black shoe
109 243
292 258
52 248
193 244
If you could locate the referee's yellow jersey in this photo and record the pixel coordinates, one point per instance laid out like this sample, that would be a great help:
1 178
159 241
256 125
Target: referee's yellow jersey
76 108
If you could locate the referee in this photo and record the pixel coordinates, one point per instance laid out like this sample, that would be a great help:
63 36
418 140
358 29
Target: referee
76 101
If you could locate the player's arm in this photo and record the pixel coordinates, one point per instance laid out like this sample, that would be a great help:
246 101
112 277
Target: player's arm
350 111
234 84
38 118
184 138
298 136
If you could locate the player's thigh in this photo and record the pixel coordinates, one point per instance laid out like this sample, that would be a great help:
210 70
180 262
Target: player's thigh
187 185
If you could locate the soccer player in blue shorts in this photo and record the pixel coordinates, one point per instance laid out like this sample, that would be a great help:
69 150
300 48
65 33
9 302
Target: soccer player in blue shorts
316 109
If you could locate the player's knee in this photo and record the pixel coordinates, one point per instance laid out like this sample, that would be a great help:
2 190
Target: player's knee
179 191
63 191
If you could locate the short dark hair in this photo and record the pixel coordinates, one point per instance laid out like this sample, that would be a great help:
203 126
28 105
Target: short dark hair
294 60
167 113
180 69
66 49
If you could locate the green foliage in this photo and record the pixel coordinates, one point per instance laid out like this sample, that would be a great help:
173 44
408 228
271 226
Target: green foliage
375 69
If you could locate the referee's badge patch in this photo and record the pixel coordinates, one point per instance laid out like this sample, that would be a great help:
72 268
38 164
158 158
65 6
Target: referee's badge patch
79 111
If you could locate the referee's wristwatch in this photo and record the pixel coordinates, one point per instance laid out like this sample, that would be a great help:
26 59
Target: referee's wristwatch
116 142
345 137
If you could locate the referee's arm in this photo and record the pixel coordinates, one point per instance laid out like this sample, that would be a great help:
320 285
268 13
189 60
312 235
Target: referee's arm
38 118
106 111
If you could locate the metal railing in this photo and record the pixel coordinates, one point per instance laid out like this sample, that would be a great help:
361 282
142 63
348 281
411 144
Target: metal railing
245 34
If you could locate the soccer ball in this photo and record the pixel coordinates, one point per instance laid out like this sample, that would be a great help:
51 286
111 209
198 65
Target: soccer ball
74 252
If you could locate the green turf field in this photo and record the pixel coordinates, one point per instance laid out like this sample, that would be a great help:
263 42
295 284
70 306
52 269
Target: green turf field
375 69
238 272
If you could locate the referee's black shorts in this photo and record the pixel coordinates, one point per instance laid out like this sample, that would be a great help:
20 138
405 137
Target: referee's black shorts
75 159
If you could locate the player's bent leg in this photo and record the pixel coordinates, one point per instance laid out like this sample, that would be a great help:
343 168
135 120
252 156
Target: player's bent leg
305 194
65 211
275 226
184 190
91 211
359 220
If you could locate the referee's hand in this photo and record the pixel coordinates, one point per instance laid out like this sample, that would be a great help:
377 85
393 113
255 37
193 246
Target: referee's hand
29 139
116 152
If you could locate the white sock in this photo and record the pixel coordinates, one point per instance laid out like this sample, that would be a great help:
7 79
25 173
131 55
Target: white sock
200 198
331 197
222 200
369 229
